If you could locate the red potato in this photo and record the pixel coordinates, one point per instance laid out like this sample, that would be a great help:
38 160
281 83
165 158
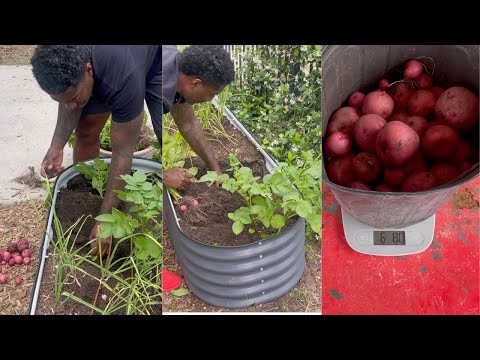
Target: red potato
464 166
421 103
343 120
18 260
356 100
26 260
416 163
440 142
424 81
366 166
23 241
400 93
358 185
11 262
444 172
417 123
194 202
385 188
27 253
3 279
338 144
399 115
396 143
22 247
12 247
464 152
383 84
412 69
394 176
6 256
16 253
457 107
18 280
340 170
183 208
419 181
365 131
378 102
437 91
3 262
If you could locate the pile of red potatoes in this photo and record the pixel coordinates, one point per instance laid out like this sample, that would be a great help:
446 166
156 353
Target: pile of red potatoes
408 135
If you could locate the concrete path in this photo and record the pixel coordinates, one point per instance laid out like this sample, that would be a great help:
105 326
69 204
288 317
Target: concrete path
27 121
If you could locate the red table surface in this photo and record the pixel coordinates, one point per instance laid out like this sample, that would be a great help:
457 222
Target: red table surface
443 279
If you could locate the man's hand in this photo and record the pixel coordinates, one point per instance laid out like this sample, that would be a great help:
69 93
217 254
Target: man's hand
52 162
177 178
106 243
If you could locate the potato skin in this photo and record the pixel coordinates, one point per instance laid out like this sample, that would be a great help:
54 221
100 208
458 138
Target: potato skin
419 181
396 143
440 142
343 120
457 107
365 131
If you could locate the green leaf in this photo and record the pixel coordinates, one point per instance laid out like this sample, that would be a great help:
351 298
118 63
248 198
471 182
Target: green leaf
315 222
179 292
251 231
147 186
210 176
277 221
118 232
237 227
105 230
193 171
139 176
303 208
105 218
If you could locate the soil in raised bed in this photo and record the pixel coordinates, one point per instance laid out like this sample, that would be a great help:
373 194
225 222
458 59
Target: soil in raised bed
78 199
208 222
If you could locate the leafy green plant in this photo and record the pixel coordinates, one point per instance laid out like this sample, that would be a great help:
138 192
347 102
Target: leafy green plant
274 199
96 174
277 96
147 203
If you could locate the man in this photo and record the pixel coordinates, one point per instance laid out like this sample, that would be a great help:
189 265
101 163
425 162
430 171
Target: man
90 82
193 76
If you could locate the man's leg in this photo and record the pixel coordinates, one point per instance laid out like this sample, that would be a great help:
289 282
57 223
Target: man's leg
87 136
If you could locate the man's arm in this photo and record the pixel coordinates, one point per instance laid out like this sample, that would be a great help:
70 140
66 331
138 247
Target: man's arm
190 128
123 137
67 121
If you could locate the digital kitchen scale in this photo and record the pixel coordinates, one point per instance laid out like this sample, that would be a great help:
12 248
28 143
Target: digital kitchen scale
408 240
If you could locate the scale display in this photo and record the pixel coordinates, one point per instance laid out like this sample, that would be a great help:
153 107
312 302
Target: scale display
389 238
406 240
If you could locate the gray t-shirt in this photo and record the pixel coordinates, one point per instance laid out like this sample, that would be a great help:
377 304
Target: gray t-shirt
169 75
120 74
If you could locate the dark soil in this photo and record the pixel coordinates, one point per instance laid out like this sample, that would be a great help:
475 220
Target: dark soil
30 178
208 222
78 199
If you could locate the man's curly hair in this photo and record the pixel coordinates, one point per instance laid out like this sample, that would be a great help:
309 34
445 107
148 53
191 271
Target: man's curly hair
57 67
211 63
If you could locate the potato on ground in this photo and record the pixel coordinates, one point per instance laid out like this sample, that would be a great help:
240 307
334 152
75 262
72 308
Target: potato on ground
343 120
366 166
378 102
440 142
419 181
366 130
340 170
396 143
457 107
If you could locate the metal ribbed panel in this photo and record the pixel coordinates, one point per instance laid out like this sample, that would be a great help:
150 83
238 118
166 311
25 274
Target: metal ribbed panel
346 69
239 276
